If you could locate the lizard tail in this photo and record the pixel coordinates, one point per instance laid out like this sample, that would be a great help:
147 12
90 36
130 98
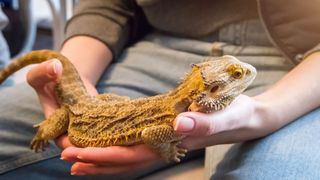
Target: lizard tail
70 78
34 57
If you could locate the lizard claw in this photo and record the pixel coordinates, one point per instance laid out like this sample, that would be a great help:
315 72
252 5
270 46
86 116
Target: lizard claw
38 125
38 144
179 153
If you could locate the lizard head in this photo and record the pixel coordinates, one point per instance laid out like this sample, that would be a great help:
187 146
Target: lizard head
223 78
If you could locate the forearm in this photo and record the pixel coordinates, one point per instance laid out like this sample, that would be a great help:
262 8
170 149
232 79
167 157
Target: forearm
294 95
89 56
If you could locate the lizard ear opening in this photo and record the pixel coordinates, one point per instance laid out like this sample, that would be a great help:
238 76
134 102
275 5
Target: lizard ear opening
214 89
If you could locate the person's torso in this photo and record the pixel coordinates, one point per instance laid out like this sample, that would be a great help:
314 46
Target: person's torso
196 19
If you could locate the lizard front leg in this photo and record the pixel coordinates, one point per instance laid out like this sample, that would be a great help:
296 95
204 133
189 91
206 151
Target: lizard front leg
54 126
164 140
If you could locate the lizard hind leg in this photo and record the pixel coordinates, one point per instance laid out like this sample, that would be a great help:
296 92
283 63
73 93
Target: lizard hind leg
50 128
164 141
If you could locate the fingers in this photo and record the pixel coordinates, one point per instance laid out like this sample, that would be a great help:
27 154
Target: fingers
110 155
206 129
194 123
238 122
80 169
63 142
118 154
236 116
70 154
43 79
109 160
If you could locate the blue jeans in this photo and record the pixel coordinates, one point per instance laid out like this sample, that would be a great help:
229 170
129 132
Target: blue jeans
290 153
4 49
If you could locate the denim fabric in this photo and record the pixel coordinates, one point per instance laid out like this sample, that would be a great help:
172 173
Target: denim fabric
3 20
291 153
4 49
4 59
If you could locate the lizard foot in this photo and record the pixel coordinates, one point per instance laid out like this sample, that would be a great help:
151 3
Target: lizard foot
38 144
177 152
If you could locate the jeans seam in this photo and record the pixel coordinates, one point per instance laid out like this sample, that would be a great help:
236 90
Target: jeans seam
26 159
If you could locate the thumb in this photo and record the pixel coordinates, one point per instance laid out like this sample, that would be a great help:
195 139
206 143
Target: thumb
194 124
43 79
44 73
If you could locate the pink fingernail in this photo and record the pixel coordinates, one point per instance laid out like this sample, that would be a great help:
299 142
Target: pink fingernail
184 124
57 68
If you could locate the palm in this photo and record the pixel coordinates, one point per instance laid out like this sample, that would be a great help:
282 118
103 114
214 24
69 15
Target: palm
107 160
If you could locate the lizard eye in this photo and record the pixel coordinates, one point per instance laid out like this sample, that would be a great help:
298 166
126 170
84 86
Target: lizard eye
236 71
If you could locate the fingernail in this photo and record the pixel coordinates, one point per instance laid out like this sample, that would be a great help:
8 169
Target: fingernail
62 158
184 124
57 68
78 173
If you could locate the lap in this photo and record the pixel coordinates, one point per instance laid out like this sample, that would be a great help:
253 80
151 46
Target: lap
147 69
290 153
19 110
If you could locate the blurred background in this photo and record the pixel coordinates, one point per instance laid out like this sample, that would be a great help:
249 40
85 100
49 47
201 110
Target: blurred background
34 24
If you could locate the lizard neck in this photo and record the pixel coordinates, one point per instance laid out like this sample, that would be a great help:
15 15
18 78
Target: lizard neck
188 90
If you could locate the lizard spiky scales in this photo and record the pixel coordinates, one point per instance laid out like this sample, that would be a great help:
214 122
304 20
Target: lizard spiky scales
109 119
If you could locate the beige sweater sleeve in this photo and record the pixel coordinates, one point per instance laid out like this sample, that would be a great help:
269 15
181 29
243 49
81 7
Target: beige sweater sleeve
116 23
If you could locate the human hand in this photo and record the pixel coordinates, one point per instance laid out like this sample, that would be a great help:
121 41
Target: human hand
108 160
43 79
241 121
244 119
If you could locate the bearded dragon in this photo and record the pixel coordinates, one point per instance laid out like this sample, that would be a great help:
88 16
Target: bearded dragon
108 119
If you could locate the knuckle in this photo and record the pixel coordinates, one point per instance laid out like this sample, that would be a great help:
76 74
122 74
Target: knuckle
205 126
210 128
30 79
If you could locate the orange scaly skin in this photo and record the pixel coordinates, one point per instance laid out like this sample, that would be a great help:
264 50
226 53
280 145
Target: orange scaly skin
108 119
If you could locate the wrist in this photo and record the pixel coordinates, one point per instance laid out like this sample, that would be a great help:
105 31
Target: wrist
266 115
90 64
90 86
